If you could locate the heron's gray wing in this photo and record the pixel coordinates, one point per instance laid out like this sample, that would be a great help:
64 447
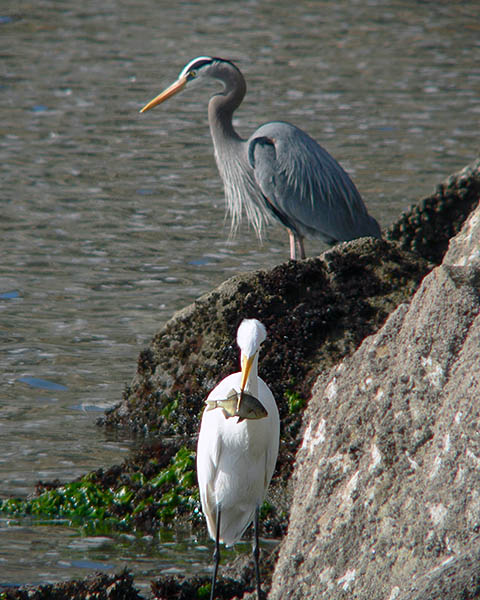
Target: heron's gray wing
262 157
305 187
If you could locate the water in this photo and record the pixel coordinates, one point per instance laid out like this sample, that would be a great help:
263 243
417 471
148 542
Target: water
46 553
113 220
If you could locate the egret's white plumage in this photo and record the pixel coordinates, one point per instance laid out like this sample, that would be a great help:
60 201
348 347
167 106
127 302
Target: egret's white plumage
235 460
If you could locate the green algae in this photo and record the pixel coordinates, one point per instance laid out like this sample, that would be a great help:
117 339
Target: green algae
295 401
204 590
94 508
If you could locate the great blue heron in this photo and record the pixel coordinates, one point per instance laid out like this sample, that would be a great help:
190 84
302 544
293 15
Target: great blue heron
280 172
236 458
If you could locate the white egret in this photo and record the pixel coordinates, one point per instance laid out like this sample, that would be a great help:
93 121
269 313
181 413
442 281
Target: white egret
236 457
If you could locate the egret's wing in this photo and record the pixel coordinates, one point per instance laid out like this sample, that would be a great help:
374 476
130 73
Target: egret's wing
208 457
305 187
214 472
274 432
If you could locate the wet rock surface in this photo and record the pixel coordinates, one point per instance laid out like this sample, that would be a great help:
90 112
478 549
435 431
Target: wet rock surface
235 581
315 312
98 587
429 225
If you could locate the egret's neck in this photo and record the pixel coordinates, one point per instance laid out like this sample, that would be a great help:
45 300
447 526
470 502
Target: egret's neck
251 385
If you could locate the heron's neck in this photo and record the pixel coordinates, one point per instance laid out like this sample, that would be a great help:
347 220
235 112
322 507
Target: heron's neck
222 106
241 191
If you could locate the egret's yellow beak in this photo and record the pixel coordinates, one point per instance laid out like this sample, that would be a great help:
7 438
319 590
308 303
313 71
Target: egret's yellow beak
247 362
166 94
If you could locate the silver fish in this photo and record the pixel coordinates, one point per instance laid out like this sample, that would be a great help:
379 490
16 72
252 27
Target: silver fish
236 404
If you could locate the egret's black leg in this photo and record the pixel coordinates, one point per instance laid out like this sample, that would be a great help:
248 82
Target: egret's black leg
216 555
256 552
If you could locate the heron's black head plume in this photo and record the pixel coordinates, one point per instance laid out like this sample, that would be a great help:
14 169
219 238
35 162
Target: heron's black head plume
192 69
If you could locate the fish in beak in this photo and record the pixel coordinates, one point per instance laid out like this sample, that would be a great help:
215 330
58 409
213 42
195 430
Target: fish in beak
249 407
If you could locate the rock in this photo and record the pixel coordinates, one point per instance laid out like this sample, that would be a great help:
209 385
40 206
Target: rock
387 479
235 580
457 577
429 225
316 311
464 249
96 587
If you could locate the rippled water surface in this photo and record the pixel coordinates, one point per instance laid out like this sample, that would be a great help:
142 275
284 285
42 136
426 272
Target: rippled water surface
111 220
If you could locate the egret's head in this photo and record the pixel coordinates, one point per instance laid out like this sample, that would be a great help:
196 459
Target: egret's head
251 334
196 70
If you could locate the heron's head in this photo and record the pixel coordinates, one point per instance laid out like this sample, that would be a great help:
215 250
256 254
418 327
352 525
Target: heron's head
195 71
251 334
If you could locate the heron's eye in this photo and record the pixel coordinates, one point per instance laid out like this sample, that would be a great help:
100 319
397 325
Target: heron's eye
193 74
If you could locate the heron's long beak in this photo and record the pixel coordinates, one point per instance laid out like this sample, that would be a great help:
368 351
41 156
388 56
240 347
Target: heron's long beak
166 94
247 362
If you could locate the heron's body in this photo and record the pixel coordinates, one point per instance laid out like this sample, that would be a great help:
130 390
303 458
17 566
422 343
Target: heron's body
279 173
236 458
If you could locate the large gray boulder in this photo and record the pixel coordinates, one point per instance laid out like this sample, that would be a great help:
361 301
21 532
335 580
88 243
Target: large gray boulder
387 479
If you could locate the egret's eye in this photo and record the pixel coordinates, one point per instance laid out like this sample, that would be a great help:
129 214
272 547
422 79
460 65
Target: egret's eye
193 74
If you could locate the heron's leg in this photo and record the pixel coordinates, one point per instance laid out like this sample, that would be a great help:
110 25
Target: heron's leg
256 552
291 237
216 555
300 248
297 250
